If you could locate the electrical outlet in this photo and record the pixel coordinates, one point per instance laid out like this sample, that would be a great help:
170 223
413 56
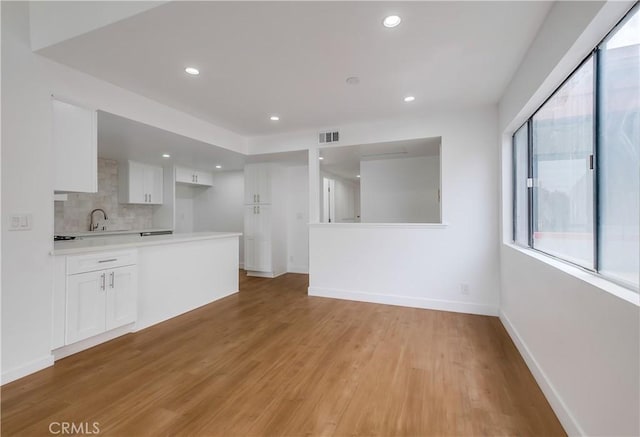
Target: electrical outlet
464 288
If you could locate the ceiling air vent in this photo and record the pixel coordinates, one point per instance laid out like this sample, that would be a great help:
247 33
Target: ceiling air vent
328 137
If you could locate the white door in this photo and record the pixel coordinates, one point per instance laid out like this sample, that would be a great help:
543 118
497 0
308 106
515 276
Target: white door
137 193
328 200
262 236
184 175
153 184
121 307
204 178
264 183
250 222
74 148
85 305
250 194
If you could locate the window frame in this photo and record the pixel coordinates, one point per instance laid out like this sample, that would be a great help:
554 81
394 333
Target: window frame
594 55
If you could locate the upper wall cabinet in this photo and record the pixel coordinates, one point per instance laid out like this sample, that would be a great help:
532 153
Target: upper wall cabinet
140 183
75 148
194 177
257 184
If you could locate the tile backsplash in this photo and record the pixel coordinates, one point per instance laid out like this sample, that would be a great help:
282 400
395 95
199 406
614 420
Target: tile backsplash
73 214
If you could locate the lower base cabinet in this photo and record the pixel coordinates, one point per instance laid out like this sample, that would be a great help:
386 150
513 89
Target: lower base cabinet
101 294
100 301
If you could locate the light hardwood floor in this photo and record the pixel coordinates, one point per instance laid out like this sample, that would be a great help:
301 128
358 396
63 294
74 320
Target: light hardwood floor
272 361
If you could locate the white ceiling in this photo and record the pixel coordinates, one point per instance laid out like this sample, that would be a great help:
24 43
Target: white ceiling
292 58
345 161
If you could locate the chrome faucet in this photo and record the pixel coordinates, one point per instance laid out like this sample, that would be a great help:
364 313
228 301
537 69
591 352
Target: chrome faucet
93 227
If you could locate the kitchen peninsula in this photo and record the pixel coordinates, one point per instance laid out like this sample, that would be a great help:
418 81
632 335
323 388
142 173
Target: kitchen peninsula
110 285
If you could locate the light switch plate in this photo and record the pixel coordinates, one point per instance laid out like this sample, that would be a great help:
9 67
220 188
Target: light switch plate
20 222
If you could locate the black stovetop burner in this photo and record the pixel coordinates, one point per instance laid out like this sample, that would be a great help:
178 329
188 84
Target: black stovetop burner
63 238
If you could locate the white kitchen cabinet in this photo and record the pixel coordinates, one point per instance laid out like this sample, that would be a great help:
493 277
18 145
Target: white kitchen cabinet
121 304
140 183
75 148
257 238
86 314
257 183
99 298
194 177
264 221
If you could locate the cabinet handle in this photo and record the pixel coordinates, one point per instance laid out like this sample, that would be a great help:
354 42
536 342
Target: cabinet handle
196 178
258 202
110 260
104 280
112 279
254 209
149 198
254 198
258 209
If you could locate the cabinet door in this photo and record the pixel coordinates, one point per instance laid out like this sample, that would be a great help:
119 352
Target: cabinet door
75 148
250 219
184 175
249 253
263 188
262 257
121 296
263 222
262 236
250 184
153 184
85 305
136 180
204 178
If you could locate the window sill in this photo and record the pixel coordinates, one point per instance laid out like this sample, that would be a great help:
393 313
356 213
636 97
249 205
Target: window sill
585 276
380 225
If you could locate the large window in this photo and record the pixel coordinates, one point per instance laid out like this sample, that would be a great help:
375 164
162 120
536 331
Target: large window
577 163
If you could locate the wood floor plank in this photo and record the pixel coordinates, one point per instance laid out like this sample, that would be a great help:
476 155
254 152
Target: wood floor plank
272 361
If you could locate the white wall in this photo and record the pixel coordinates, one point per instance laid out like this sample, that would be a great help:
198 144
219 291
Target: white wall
221 207
184 208
422 265
28 80
581 342
400 190
298 219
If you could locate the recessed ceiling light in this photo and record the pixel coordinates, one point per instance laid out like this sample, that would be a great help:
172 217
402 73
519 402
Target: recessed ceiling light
357 175
166 155
353 80
274 118
321 158
218 166
409 99
391 21
192 71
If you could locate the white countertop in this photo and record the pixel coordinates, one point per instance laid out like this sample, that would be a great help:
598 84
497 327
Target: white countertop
131 241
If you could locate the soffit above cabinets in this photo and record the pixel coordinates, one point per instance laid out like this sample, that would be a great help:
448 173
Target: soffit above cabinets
122 139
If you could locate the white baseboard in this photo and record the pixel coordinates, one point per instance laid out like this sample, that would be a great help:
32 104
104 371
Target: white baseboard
269 275
406 301
27 369
90 342
298 269
569 423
